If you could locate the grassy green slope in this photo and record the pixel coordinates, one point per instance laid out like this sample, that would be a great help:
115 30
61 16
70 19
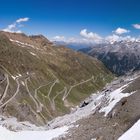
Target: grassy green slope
52 79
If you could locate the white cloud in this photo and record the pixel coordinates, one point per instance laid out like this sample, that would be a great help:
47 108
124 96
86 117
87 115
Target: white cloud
112 38
18 31
22 19
129 38
14 28
90 36
120 31
86 38
72 40
59 38
136 26
11 26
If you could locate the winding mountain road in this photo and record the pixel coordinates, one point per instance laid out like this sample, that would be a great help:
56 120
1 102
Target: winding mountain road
3 80
36 97
6 89
70 89
34 100
14 95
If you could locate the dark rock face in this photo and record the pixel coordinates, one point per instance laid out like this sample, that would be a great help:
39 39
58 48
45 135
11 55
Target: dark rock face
2 77
120 57
84 104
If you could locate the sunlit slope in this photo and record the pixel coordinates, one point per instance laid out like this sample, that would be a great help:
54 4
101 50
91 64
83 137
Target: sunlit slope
39 81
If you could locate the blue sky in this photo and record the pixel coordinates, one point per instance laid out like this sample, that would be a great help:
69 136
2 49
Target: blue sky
69 17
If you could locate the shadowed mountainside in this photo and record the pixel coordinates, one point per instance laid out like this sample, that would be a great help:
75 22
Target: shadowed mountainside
119 57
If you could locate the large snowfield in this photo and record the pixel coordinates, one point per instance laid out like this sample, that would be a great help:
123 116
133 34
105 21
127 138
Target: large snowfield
6 134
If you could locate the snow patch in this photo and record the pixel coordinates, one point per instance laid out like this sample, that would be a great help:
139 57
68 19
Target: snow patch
133 133
22 83
12 124
21 43
32 53
5 134
78 114
15 77
103 101
113 98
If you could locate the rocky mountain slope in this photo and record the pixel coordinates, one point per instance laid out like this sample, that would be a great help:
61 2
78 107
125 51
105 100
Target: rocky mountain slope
39 81
119 57
110 114
107 115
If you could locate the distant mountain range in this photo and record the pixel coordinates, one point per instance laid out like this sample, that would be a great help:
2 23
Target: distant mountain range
119 57
73 45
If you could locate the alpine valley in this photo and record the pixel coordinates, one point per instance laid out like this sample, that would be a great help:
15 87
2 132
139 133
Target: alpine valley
48 91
